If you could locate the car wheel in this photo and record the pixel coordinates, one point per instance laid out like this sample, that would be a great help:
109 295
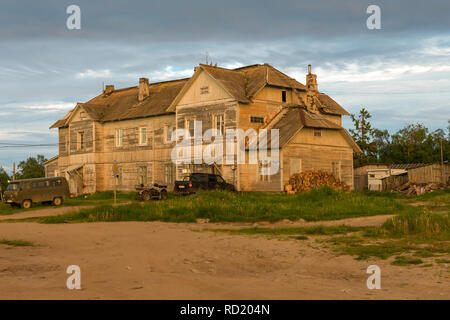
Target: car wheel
26 204
163 195
57 201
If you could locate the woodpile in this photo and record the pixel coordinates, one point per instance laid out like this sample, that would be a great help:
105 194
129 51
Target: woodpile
416 189
311 179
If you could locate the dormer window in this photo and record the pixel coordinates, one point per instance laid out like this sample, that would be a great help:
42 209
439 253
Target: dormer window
283 95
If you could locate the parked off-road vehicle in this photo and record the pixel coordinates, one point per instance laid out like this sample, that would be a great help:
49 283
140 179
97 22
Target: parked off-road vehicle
201 181
155 192
23 193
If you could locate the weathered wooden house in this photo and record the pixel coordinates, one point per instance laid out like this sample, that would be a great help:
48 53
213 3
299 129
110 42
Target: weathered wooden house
133 127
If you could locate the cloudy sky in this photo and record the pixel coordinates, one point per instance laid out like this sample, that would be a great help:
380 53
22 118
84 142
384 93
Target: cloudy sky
400 73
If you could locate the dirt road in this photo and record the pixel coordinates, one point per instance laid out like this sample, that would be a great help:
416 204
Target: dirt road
50 211
138 260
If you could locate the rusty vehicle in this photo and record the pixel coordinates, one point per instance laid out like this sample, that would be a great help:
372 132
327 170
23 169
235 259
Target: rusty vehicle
24 193
155 192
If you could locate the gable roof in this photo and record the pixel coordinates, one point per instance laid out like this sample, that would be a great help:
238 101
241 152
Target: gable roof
291 119
233 82
258 76
327 105
240 83
123 104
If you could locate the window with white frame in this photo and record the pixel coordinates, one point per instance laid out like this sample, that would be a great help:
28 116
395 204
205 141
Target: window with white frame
219 123
119 137
142 136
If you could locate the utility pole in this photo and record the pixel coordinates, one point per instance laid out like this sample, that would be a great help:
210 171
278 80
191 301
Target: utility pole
14 171
442 163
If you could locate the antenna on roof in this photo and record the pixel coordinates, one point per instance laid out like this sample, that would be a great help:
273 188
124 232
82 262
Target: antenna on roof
206 57
103 86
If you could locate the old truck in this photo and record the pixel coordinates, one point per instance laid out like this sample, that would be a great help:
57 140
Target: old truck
201 181
23 193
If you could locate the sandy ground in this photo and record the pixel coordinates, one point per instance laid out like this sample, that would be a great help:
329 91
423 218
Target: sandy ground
154 260
50 211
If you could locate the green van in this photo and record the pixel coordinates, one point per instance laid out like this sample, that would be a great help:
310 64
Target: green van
24 193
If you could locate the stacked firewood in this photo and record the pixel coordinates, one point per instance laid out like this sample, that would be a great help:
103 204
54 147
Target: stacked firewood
416 189
311 179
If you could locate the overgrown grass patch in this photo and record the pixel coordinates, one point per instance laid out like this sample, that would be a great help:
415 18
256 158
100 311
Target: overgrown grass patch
316 230
97 199
221 206
406 260
421 235
16 243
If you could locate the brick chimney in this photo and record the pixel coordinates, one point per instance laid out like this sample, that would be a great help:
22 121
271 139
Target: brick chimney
312 92
143 89
108 89
311 81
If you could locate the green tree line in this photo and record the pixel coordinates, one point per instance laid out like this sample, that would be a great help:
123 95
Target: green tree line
413 143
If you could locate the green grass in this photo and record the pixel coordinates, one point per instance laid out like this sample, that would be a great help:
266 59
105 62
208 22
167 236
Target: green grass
406 260
409 237
421 235
416 223
219 206
16 243
316 230
100 198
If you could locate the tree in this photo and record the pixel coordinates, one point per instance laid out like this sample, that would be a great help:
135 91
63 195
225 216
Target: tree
31 168
363 136
3 179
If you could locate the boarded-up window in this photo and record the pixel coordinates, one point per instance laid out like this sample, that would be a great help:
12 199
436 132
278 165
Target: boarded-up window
80 141
336 168
62 144
295 166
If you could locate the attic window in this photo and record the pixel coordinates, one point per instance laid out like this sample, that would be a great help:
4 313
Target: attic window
317 132
83 115
256 119
283 95
204 90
